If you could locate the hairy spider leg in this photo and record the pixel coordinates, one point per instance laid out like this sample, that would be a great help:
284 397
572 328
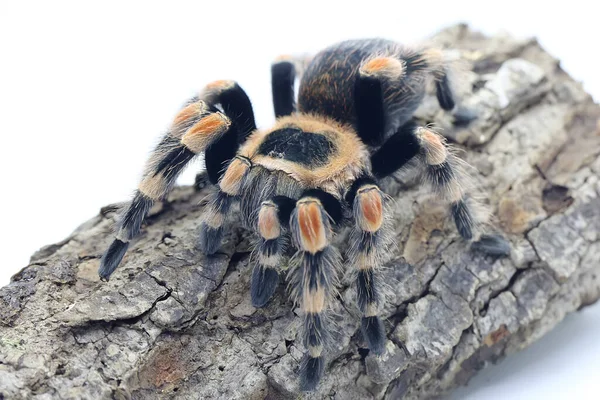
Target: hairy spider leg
283 75
407 70
212 227
235 103
273 230
224 168
267 199
442 169
314 277
369 240
198 127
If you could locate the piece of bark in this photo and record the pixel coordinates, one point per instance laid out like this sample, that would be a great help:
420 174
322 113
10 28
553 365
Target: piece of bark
173 323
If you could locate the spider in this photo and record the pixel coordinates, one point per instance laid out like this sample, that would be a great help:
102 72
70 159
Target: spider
316 170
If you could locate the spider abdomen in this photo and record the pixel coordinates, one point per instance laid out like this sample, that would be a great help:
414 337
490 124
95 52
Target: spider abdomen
328 84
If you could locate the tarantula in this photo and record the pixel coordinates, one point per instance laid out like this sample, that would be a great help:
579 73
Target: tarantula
315 170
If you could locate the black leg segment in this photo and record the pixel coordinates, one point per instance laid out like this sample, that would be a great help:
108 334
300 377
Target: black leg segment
444 93
369 240
220 152
283 75
273 224
370 113
235 103
398 150
330 203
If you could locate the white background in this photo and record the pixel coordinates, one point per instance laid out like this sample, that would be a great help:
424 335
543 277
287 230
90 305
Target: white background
87 88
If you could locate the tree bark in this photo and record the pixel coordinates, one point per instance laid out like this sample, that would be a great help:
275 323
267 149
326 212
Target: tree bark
173 323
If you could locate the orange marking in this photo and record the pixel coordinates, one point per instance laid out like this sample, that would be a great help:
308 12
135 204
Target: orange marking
389 67
220 84
312 229
208 125
436 152
432 138
371 209
268 222
377 64
204 131
230 183
153 186
186 113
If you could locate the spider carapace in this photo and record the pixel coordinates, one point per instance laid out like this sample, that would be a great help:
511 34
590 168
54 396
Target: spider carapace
316 170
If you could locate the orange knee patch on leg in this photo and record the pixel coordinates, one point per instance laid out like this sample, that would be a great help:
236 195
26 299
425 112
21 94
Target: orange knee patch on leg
268 221
435 149
232 179
188 112
199 136
453 191
313 235
370 212
366 260
383 66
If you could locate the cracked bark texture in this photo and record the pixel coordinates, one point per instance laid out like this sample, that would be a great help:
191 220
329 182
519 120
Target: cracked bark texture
173 323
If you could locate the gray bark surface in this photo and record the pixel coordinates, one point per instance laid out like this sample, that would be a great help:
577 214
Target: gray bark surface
173 323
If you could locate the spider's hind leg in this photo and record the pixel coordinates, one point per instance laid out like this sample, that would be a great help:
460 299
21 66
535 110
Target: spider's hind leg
433 60
442 169
194 127
444 172
224 168
283 76
199 127
446 74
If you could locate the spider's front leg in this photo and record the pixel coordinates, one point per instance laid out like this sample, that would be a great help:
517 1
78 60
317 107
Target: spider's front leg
314 278
273 226
224 168
369 240
198 127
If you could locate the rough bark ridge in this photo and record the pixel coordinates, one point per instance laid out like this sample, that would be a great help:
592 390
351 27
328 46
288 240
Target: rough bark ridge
173 324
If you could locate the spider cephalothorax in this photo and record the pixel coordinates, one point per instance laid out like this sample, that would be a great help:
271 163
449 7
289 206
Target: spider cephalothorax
315 170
